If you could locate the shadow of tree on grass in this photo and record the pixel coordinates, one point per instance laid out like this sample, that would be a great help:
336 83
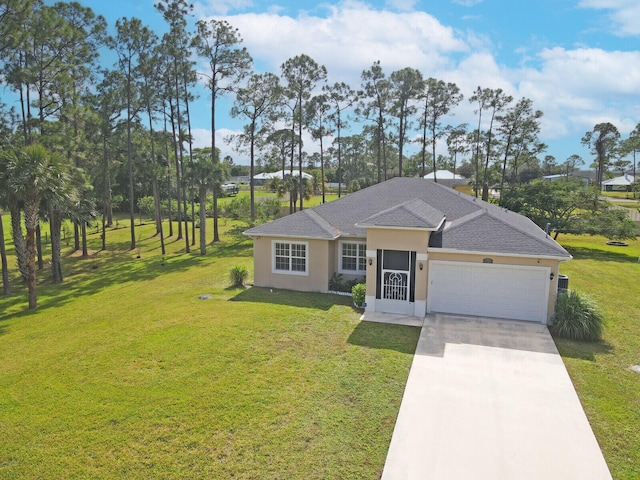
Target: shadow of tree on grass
582 253
384 336
321 301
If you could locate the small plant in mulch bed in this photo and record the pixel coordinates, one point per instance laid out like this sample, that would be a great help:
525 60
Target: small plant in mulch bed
238 274
577 317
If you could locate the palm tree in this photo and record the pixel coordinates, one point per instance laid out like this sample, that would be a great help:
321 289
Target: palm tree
32 174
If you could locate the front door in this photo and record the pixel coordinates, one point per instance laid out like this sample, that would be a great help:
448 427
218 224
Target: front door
395 281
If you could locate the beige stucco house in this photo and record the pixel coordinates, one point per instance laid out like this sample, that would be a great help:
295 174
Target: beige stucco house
422 247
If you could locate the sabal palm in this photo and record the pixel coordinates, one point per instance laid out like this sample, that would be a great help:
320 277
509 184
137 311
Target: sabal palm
32 174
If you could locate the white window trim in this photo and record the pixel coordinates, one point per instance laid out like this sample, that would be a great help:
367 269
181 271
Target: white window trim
351 272
289 272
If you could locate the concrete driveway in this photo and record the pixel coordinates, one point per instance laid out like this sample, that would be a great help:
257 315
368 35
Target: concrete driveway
490 399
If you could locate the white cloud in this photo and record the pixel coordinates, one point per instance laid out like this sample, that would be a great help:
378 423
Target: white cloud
624 14
349 39
578 88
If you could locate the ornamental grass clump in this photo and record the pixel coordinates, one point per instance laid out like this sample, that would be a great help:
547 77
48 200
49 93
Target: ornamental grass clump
577 317
358 294
238 274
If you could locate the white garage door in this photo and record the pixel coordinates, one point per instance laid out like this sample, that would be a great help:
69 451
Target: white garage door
502 291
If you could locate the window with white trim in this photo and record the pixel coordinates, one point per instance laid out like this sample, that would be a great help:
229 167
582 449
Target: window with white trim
353 257
290 257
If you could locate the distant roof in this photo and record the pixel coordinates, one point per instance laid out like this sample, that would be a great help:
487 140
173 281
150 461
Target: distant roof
466 223
278 174
444 175
624 180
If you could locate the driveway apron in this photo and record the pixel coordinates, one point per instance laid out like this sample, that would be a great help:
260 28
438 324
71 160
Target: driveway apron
490 399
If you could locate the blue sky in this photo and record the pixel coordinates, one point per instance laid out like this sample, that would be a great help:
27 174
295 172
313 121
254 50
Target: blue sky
578 60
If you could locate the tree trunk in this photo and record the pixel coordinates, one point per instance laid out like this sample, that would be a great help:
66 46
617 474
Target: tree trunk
31 268
181 166
203 220
106 193
301 180
214 161
186 104
322 167
178 175
130 164
55 225
252 170
3 255
166 153
18 241
31 222
76 237
85 251
400 141
39 247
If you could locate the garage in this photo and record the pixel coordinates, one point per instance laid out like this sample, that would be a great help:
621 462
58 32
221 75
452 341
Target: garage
501 291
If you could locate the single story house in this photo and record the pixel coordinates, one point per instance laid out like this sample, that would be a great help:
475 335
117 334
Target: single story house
421 246
265 177
445 177
562 177
618 184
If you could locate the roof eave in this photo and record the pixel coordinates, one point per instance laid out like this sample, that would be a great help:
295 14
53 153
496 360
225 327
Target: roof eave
560 258
280 235
389 227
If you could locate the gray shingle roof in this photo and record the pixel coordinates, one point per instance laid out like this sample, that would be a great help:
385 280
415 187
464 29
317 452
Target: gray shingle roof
471 224
411 214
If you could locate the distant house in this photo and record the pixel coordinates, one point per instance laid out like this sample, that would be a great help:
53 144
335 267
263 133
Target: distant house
445 177
266 177
623 183
421 246
584 177
240 179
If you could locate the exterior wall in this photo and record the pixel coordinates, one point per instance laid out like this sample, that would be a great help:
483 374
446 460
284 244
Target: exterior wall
405 240
317 278
554 265
324 256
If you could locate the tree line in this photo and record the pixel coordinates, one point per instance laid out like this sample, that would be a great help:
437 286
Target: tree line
81 132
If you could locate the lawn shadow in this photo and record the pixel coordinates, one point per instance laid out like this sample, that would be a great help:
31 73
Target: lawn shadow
385 336
601 255
582 350
321 301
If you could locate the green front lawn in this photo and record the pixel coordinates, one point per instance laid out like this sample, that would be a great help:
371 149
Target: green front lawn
123 372
608 390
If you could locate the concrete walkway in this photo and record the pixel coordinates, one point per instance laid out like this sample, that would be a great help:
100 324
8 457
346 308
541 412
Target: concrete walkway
490 399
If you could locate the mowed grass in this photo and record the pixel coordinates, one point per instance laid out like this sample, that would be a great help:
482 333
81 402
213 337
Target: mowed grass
124 372
608 389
